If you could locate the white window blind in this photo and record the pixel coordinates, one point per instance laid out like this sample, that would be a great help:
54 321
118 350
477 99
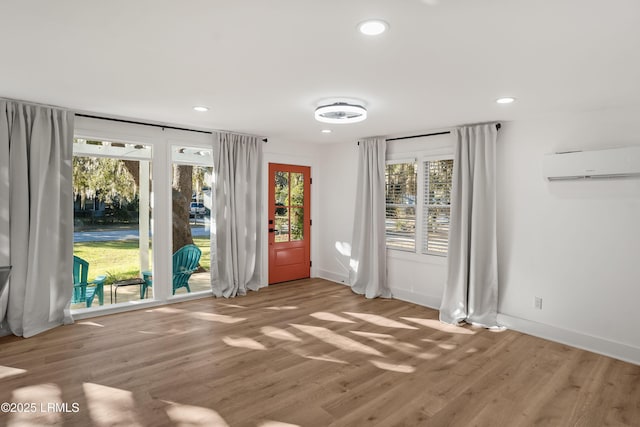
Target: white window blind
400 193
436 212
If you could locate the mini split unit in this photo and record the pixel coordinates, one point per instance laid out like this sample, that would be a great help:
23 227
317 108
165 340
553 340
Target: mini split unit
610 163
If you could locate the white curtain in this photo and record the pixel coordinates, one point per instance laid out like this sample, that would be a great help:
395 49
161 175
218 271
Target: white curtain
238 183
36 216
471 290
368 264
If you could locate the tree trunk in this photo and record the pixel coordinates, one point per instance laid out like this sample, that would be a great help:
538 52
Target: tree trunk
181 200
133 166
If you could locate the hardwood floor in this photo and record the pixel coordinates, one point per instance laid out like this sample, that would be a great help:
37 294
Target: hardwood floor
306 353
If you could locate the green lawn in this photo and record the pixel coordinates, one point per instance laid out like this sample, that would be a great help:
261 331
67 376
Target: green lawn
120 260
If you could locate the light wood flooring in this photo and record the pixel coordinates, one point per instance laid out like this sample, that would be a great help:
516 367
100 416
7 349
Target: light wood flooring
306 353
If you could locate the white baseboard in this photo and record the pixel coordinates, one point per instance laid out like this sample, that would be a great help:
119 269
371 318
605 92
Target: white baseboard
403 295
416 298
332 277
598 345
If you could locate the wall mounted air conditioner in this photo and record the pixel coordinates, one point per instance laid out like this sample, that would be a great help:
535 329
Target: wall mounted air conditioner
609 163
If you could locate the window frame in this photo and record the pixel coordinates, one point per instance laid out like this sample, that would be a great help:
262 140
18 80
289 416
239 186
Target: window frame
423 205
420 157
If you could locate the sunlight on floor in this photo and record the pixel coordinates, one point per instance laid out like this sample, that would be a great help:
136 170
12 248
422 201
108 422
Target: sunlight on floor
322 358
403 369
110 406
276 424
90 324
380 320
194 416
337 340
41 394
243 342
167 310
279 334
284 307
7 371
438 325
330 317
232 305
391 341
212 317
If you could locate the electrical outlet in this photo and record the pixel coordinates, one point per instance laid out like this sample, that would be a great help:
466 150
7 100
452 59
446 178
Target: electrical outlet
537 303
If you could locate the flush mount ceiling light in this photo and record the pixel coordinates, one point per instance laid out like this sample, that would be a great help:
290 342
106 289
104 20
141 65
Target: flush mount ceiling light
341 112
373 27
201 108
326 131
505 100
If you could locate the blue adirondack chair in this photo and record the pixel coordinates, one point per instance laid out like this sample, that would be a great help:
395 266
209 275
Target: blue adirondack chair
83 291
185 263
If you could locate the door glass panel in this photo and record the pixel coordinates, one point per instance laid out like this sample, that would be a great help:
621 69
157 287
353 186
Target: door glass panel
297 223
297 189
282 189
282 224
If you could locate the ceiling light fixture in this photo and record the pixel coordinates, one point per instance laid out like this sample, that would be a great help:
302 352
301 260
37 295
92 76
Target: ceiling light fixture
326 131
505 100
373 27
341 112
201 108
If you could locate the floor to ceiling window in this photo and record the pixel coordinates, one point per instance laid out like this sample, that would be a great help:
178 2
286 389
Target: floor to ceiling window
112 223
192 204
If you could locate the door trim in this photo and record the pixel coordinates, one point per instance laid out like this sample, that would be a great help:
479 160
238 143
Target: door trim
296 270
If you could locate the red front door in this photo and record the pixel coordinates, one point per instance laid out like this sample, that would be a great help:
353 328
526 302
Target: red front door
289 222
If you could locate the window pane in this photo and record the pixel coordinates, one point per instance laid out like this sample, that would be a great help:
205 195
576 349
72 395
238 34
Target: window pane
438 181
282 224
297 223
192 203
282 188
400 180
112 238
297 189
437 230
400 193
401 227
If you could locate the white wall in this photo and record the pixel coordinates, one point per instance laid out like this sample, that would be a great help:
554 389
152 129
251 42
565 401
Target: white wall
575 244
337 173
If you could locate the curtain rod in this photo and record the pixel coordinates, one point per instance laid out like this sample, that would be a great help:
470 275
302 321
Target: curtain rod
133 122
498 126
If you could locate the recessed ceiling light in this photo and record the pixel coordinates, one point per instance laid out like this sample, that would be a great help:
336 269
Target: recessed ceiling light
326 131
201 108
505 100
373 27
341 113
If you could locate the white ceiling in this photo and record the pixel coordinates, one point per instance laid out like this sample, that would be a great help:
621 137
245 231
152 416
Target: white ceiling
262 66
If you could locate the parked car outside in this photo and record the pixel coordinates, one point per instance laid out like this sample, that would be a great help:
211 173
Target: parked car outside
197 209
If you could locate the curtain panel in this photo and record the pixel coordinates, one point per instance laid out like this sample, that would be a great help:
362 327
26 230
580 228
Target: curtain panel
471 290
368 263
238 198
36 216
